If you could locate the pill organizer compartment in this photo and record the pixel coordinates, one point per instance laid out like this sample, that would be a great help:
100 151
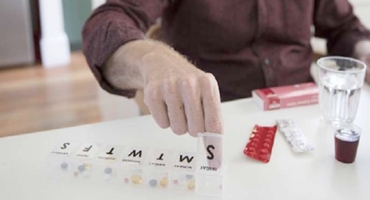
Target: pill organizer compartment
59 160
83 160
182 175
210 165
131 166
106 168
158 168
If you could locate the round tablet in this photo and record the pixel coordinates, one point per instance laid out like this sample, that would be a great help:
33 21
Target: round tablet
87 165
64 165
108 170
191 184
81 168
75 173
189 176
136 179
126 180
163 182
153 182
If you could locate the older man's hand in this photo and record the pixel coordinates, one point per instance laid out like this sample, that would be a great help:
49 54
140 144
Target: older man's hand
178 94
181 96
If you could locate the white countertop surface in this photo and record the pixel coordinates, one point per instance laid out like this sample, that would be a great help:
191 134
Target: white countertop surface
287 176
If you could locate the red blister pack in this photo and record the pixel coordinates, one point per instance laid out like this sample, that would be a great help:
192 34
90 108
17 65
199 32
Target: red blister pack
260 143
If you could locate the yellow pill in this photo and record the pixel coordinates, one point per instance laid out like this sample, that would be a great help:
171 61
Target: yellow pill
136 179
163 182
88 165
191 184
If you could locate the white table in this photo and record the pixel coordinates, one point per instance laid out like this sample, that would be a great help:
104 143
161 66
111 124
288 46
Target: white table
287 176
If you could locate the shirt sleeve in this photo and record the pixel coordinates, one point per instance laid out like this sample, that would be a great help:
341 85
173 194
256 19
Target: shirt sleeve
113 24
335 21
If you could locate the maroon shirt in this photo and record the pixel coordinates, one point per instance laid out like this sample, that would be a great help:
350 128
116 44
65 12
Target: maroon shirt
245 44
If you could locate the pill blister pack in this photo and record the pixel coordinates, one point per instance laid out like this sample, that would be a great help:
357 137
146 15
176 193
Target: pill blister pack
260 143
294 135
134 166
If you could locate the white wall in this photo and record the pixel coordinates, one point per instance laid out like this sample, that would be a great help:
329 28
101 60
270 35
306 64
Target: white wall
16 42
362 10
96 3
54 43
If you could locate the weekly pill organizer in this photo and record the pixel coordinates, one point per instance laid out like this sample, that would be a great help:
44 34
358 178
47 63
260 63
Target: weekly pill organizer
148 168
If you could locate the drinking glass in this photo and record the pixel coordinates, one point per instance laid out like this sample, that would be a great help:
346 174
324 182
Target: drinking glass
340 82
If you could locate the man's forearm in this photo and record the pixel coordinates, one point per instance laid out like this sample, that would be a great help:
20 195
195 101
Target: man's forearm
127 67
122 69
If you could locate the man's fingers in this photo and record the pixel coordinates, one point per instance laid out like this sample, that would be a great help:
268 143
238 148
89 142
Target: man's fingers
187 104
213 119
211 105
159 113
156 106
175 110
193 107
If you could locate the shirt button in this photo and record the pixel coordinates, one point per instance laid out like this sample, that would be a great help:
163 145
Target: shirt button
267 61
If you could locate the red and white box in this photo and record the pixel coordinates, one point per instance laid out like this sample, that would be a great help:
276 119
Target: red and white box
286 96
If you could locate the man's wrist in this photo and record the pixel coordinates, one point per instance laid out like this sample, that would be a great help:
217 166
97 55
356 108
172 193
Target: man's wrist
122 69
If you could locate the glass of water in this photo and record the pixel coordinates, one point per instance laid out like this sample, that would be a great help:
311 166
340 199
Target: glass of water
340 82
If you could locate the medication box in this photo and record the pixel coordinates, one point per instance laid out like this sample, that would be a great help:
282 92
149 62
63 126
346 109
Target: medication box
286 96
142 167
